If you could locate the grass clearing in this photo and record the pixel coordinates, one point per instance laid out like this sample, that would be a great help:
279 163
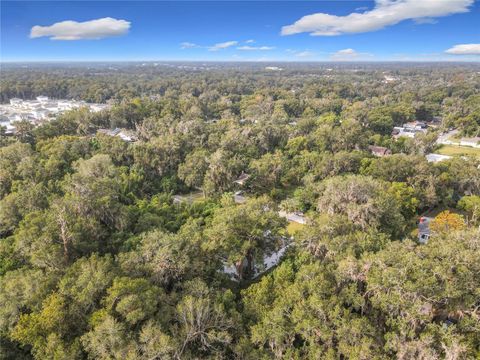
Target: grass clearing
454 150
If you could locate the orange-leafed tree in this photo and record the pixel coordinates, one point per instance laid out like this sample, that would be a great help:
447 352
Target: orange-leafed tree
447 221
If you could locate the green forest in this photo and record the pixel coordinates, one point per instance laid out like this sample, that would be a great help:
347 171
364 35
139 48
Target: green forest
114 249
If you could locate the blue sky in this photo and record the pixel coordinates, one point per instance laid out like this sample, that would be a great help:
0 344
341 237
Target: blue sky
241 30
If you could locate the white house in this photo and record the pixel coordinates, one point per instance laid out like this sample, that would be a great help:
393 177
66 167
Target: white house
408 131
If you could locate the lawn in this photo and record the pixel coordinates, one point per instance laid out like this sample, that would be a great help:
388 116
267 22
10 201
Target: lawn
454 150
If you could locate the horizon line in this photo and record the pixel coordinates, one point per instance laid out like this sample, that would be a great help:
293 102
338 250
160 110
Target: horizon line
239 61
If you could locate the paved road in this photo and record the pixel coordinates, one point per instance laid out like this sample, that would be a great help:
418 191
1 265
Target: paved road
443 139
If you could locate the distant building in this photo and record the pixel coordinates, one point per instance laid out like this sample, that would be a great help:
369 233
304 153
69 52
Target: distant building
416 125
379 151
389 79
407 131
42 109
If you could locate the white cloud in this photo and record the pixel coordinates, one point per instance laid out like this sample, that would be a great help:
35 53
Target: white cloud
464 49
385 13
215 47
348 55
300 53
305 53
223 45
255 48
73 30
188 45
344 52
250 41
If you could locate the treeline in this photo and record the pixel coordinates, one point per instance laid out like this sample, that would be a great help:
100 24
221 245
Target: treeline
98 261
450 93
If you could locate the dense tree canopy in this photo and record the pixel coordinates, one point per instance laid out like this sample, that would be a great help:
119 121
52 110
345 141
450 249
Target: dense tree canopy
147 250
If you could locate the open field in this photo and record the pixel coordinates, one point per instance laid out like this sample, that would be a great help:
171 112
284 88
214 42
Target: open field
453 150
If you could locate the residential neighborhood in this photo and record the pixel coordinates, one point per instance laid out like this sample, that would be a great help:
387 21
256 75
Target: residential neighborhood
40 110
